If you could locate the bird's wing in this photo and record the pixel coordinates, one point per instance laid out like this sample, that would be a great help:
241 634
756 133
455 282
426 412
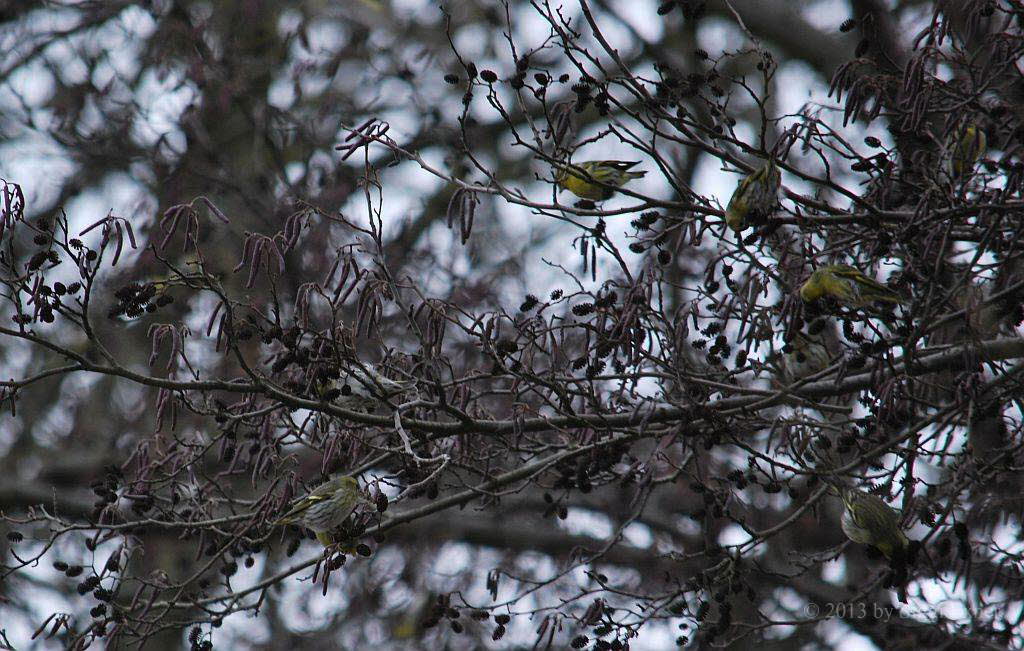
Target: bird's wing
318 494
846 271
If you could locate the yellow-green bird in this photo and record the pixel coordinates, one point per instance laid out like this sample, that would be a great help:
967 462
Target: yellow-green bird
757 194
596 180
971 143
847 285
868 520
324 508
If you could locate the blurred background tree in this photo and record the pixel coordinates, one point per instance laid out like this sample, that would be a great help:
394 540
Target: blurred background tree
609 428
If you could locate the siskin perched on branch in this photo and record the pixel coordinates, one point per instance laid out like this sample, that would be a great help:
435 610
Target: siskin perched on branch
596 180
323 509
756 195
805 355
846 285
971 143
868 520
360 387
145 296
